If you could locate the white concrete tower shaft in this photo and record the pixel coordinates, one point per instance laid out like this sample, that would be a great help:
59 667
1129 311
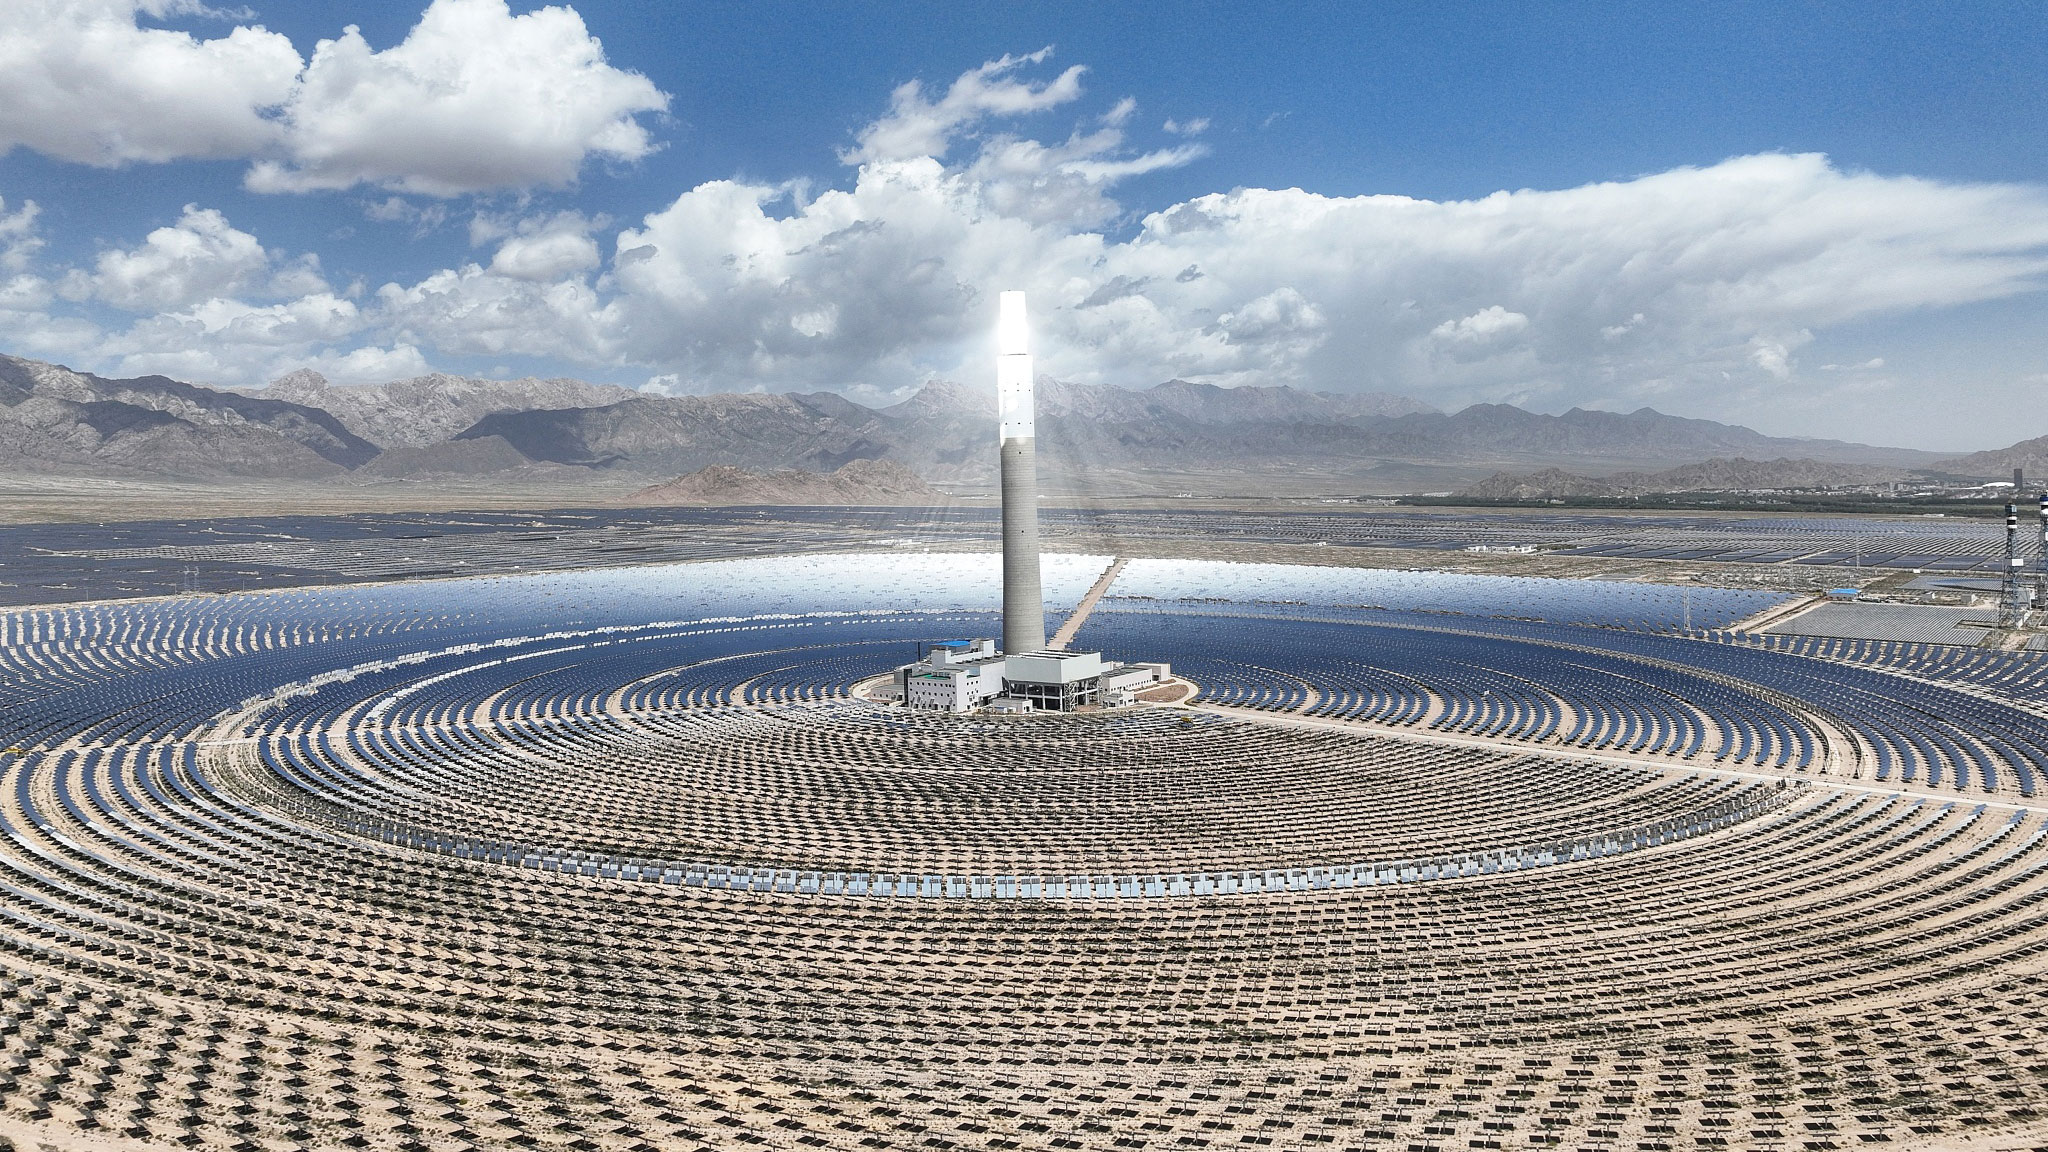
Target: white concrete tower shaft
1023 598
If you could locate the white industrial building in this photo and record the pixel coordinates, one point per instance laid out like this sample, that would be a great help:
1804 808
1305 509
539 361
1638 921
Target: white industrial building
963 675
955 676
1122 683
1054 681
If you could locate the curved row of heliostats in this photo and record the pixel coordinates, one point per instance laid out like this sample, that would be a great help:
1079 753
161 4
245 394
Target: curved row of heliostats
1127 886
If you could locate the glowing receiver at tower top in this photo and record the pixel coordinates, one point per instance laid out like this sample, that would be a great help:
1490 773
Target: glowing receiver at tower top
1013 369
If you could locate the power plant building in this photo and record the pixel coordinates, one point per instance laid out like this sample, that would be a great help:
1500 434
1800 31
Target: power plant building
1055 681
955 676
964 675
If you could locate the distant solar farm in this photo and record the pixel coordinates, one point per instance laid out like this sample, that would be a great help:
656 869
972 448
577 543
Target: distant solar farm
55 563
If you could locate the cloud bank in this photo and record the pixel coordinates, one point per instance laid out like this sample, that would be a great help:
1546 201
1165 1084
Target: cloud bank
1695 288
1660 288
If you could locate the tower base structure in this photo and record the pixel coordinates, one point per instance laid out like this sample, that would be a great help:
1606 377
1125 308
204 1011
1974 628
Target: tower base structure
971 676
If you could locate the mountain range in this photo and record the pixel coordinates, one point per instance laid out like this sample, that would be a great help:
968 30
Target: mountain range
1173 436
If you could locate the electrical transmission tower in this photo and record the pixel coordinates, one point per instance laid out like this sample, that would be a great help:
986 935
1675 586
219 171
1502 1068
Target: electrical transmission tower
2014 597
2041 563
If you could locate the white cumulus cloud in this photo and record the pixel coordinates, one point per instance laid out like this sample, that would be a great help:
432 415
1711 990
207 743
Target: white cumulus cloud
473 99
473 310
19 239
866 287
548 248
1773 354
369 364
227 341
212 305
82 81
1485 326
198 258
25 293
917 126
314 319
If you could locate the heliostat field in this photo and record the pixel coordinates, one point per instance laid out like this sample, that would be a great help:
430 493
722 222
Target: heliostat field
629 859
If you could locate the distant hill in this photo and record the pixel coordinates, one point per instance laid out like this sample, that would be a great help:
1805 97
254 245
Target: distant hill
484 456
671 434
1998 463
1738 474
861 482
1209 404
430 409
1716 475
1546 484
1645 434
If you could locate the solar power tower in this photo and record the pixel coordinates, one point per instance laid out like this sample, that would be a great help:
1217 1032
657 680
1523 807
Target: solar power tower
1023 599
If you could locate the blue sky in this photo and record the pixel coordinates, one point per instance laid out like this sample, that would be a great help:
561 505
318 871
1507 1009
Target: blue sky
1815 219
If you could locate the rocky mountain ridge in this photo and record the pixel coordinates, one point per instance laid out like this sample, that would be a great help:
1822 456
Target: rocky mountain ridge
429 409
1175 435
53 419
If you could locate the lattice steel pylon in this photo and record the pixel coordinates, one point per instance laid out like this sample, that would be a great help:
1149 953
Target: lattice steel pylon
2041 562
2014 597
